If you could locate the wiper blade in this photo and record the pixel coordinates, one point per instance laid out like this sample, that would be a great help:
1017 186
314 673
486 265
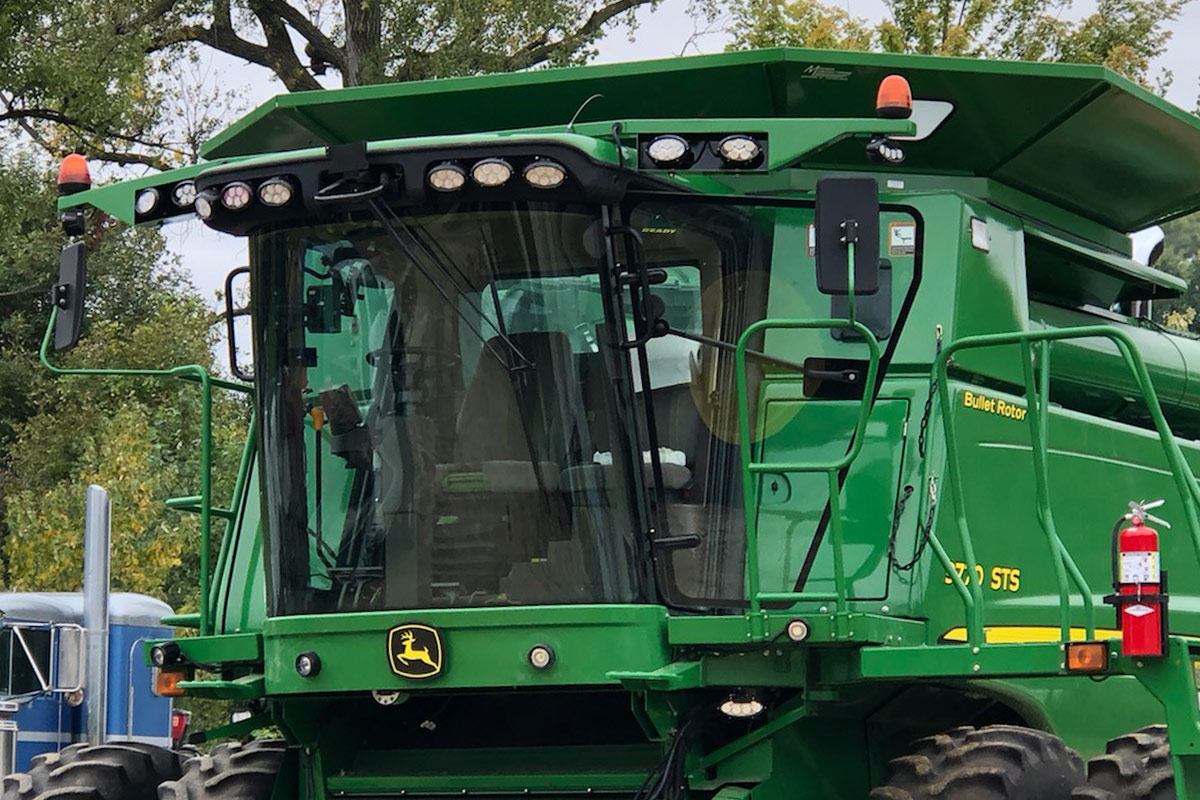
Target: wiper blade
416 250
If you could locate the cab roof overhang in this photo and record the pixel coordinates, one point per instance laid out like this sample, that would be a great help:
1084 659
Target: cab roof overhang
1080 137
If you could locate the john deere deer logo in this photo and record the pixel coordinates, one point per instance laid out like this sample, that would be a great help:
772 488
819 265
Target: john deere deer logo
415 651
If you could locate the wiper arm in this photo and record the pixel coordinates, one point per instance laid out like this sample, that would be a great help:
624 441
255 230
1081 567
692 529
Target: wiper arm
667 330
417 252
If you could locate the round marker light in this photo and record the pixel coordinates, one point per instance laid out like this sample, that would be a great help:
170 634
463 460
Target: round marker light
163 654
541 656
236 196
797 630
492 172
545 175
184 194
275 192
739 149
667 150
385 697
308 664
204 203
146 201
447 177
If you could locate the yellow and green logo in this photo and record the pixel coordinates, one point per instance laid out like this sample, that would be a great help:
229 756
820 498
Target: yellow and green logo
415 651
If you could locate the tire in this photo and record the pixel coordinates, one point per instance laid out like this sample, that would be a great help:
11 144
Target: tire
1136 766
998 762
230 771
113 771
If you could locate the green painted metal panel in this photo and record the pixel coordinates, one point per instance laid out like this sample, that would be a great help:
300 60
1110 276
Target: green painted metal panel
483 647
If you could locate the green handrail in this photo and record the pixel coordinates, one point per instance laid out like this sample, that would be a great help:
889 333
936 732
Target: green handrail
751 483
1037 388
197 374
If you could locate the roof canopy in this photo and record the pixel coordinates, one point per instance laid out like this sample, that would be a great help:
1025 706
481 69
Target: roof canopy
1080 137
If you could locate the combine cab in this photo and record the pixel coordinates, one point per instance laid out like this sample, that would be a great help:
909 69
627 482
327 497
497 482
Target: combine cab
758 434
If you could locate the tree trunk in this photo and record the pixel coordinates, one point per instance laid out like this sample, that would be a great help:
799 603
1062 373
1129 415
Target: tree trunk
364 33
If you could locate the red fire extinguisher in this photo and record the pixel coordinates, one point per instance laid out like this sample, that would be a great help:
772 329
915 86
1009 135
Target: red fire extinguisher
1139 582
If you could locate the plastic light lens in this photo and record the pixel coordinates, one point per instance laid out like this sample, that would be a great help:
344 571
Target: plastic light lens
308 664
797 630
184 194
1087 656
541 656
742 707
491 172
275 192
667 150
236 196
146 201
545 175
204 204
739 149
447 177
166 683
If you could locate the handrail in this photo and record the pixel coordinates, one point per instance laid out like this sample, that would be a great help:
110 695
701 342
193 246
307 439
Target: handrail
197 374
751 487
1037 344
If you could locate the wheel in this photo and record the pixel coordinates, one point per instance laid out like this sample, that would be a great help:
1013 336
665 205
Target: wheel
1136 766
999 762
113 771
230 771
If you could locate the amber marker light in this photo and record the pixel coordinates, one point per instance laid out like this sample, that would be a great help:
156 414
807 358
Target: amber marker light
73 175
166 683
894 100
1087 657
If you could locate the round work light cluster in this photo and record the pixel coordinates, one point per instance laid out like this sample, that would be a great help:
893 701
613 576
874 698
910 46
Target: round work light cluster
239 195
451 176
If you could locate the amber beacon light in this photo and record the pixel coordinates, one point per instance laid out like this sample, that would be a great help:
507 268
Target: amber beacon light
894 100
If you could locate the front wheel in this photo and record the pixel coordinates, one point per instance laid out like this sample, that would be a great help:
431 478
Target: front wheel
1136 766
998 762
113 771
230 771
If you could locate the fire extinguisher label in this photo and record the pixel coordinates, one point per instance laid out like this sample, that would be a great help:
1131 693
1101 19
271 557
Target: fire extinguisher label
1139 567
1138 610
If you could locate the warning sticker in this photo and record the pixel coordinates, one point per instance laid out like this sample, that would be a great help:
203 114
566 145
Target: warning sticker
1139 567
902 238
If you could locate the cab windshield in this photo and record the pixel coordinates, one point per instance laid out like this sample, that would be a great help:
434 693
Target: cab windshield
451 414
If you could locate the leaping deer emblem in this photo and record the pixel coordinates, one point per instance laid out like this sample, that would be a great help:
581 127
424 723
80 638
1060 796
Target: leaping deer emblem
410 653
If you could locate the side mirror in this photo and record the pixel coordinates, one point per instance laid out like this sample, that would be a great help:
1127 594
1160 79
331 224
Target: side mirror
847 211
69 294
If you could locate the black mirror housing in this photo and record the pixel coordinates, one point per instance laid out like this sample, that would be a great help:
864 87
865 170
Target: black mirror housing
69 294
847 210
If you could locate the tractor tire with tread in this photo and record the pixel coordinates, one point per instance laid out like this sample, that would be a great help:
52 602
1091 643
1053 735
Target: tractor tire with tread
997 762
112 771
230 771
1136 766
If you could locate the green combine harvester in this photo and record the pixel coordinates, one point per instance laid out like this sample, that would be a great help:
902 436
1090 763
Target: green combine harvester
740 427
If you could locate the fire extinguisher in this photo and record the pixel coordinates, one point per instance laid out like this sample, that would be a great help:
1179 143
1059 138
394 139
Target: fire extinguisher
1139 582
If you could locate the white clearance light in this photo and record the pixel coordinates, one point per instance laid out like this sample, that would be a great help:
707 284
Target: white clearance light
236 196
492 172
545 175
740 706
275 192
204 204
667 149
541 656
797 630
184 194
738 149
146 201
447 177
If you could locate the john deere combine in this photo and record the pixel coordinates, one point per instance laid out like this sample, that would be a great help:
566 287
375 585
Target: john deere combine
744 427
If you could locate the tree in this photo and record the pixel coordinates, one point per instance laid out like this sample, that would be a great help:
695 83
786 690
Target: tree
92 75
1125 35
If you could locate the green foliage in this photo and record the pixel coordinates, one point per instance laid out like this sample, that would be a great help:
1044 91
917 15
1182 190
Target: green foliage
1124 35
1181 256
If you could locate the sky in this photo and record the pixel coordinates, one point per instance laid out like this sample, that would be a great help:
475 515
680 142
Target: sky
662 32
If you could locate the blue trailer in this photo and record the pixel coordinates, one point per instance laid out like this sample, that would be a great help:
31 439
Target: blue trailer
42 675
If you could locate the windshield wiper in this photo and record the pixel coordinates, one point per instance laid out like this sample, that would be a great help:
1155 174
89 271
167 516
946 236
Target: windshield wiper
402 233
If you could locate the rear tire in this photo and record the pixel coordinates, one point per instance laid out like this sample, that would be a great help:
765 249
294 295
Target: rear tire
230 771
998 762
113 771
1136 766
